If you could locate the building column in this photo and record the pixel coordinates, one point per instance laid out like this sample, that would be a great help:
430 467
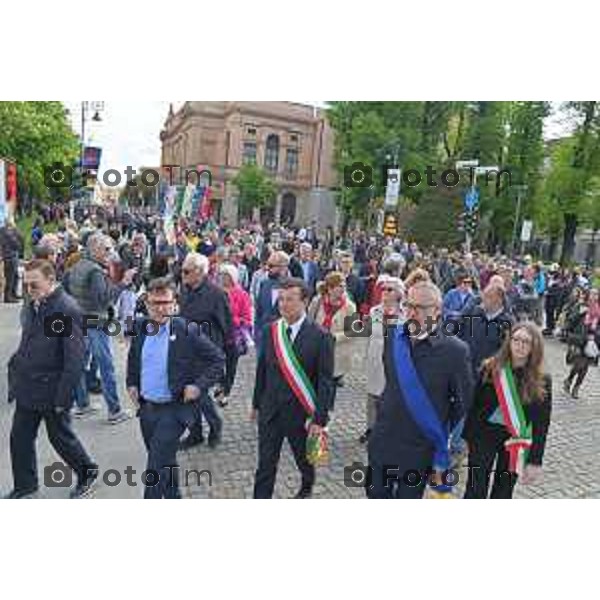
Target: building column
230 205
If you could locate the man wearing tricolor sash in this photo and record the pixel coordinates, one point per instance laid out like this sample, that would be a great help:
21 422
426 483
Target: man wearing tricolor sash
294 388
429 386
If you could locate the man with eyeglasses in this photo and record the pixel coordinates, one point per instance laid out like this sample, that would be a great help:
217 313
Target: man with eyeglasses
206 304
170 366
267 308
429 387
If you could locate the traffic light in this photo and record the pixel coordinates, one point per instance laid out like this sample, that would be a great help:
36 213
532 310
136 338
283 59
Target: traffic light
471 222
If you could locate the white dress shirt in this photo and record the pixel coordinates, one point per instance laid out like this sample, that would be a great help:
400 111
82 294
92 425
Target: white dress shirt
295 327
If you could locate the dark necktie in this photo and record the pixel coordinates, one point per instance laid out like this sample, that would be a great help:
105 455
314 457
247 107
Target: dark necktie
289 333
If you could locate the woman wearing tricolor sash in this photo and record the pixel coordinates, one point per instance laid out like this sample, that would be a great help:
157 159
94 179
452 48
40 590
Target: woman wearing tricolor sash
508 423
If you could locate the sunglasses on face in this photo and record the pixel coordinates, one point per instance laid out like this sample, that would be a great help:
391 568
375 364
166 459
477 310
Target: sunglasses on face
389 289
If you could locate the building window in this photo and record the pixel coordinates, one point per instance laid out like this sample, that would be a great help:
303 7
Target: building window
251 131
272 153
249 154
291 162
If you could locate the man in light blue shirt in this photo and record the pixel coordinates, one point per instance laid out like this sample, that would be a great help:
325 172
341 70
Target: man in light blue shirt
155 378
169 367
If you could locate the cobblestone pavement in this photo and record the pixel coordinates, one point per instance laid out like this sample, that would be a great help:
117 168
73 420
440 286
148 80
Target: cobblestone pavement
572 450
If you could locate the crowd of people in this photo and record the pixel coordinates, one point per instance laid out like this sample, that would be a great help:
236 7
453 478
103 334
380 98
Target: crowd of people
454 349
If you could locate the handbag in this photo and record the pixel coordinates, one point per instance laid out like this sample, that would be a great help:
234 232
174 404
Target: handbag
242 340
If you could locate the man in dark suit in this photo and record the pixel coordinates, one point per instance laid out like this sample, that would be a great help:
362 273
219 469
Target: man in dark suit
207 304
42 376
398 446
171 364
280 412
266 309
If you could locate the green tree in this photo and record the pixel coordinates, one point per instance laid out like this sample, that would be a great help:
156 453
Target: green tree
255 189
35 135
570 184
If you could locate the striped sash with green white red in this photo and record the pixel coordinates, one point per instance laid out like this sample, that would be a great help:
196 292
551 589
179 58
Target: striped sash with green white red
514 418
292 370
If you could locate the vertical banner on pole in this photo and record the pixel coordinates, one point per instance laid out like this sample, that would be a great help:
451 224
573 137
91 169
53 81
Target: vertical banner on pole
392 192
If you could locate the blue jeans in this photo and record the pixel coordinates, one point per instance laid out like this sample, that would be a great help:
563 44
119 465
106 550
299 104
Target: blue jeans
101 350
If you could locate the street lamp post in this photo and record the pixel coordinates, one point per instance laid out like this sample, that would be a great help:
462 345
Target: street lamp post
97 107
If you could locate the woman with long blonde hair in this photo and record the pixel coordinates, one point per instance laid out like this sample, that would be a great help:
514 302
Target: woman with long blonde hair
507 425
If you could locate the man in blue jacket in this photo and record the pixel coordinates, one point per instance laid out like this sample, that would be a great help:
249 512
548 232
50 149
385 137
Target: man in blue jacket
170 365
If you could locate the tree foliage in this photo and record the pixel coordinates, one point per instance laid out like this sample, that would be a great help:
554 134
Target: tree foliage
36 135
508 135
255 188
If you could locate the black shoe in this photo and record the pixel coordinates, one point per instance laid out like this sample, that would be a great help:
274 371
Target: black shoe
85 488
190 441
364 438
304 493
575 393
20 494
214 439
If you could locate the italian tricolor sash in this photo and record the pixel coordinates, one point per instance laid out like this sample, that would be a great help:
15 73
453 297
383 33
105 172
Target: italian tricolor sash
514 418
292 370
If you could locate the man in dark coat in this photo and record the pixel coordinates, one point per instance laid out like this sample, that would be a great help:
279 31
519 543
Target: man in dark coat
11 249
278 409
42 376
400 454
206 304
167 373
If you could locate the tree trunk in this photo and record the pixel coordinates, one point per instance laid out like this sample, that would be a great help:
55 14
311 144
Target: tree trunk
569 238
552 247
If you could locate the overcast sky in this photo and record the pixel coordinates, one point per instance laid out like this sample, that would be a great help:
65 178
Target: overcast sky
129 131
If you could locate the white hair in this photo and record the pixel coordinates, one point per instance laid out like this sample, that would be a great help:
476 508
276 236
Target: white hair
197 260
230 270
385 279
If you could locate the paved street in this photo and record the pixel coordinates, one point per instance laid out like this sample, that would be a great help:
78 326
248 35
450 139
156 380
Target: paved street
569 466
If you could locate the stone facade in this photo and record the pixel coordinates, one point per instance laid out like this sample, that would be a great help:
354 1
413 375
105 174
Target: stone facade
292 142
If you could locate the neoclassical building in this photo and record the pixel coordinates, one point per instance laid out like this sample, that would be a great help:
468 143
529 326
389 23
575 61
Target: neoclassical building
292 142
